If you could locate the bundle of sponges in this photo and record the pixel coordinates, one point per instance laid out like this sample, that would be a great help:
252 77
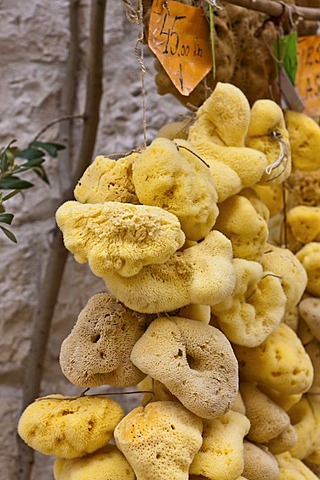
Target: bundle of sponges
137 248
200 302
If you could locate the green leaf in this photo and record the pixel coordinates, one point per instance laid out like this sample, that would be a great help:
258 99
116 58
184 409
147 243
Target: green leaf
34 162
49 147
14 183
40 171
6 218
29 153
286 52
2 209
10 195
9 234
3 161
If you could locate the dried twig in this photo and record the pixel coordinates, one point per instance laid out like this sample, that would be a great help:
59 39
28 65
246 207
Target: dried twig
54 122
278 9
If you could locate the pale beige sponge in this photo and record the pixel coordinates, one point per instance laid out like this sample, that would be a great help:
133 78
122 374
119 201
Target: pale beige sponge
107 180
171 175
160 440
279 363
244 226
69 427
105 464
313 350
304 134
305 418
267 419
291 468
221 454
118 237
255 308
219 136
193 360
292 318
283 442
259 463
266 126
309 309
304 222
284 264
304 332
309 256
202 274
97 351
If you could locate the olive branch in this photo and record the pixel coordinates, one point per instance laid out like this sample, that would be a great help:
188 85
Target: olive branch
13 163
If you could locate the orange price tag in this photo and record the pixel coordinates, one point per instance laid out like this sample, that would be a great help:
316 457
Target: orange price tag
179 36
308 74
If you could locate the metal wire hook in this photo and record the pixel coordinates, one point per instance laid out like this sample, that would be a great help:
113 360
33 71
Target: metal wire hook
283 156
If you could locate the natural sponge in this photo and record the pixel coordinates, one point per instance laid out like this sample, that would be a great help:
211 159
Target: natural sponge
291 468
105 464
221 454
201 274
97 351
267 419
309 256
283 263
304 222
304 135
268 134
160 440
195 362
118 237
219 136
171 176
280 363
69 427
259 463
107 180
305 418
244 226
255 308
309 309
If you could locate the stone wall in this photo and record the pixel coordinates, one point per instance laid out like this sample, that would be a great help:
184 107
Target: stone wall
34 39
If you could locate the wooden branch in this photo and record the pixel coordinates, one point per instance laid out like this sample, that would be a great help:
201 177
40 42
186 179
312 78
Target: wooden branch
58 253
277 9
94 86
57 256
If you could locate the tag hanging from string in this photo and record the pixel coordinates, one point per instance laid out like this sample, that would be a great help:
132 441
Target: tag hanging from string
308 74
179 36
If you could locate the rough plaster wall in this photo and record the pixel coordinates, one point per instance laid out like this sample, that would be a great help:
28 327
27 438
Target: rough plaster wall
33 44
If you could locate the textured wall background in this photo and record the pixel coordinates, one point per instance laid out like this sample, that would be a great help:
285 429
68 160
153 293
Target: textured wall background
34 38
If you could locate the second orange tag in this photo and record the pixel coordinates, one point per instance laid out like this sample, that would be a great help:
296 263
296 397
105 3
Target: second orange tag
179 36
